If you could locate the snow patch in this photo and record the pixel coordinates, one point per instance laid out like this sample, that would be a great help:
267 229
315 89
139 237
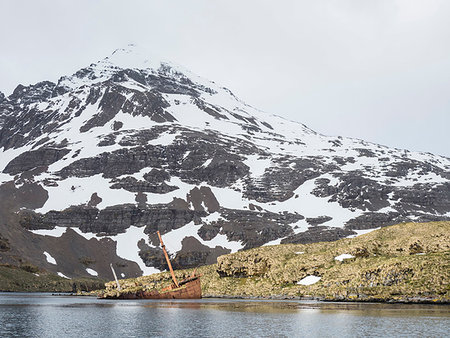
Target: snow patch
214 217
127 247
207 163
49 258
257 165
60 274
309 280
341 258
362 232
56 232
78 191
92 272
174 238
273 242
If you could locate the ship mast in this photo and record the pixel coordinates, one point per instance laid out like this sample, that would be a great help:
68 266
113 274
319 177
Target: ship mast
167 259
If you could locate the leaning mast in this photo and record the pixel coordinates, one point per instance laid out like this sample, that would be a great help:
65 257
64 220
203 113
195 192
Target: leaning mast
167 259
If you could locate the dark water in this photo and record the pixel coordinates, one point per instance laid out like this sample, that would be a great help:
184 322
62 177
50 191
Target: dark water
43 315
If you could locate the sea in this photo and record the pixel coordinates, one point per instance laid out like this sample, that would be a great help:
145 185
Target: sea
46 315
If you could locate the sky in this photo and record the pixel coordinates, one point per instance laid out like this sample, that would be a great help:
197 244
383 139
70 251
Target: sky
377 70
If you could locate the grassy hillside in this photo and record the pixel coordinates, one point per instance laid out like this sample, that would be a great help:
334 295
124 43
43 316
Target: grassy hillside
404 262
29 278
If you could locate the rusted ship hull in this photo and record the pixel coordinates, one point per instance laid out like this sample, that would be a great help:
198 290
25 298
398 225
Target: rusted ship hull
188 290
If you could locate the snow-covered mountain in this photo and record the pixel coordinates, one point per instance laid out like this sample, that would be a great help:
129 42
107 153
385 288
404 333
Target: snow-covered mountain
92 166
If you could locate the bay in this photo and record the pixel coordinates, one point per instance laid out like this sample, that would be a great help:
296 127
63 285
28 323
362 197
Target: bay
44 315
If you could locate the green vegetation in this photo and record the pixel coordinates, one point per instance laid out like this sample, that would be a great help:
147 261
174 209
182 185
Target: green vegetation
28 278
4 244
404 262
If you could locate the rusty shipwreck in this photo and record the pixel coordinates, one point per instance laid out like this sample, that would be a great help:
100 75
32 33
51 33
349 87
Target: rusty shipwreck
189 288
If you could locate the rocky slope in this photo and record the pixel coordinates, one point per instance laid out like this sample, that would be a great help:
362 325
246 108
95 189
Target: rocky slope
93 165
405 263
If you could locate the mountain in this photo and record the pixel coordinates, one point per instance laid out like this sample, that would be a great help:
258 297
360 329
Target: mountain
93 165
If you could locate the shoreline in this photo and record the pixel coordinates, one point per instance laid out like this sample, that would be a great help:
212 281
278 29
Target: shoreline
412 300
408 300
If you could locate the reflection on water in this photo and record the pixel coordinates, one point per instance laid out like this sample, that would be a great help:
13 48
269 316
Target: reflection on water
42 315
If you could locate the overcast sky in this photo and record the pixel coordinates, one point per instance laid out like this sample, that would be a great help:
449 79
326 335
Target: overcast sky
375 70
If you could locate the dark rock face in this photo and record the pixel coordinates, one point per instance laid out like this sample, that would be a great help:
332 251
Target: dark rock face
152 256
110 104
326 234
114 220
203 197
34 158
27 196
30 94
373 219
318 220
132 184
225 168
252 229
355 191
94 201
424 197
279 182
194 254
149 104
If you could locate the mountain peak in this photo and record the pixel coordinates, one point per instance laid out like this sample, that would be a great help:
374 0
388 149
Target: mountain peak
133 57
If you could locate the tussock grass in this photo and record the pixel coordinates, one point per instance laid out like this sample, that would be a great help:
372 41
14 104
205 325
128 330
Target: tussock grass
404 262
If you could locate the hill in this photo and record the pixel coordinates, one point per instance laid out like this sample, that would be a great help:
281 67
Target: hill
405 262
